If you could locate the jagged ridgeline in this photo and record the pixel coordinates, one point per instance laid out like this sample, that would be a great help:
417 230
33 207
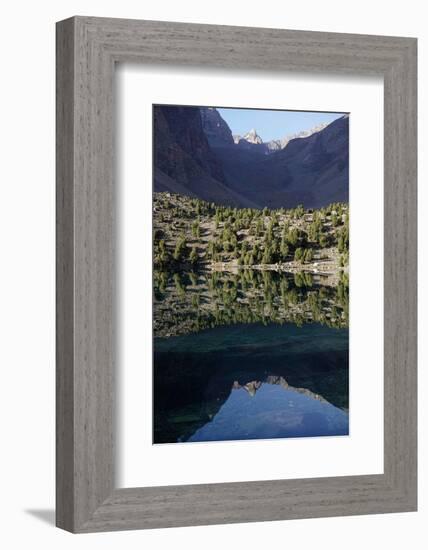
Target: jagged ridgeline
194 234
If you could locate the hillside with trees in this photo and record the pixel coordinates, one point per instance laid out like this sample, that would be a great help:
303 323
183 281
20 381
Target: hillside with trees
191 234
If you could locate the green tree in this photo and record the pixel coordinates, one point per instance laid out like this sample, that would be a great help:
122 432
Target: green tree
267 256
180 249
217 218
309 255
284 249
323 241
196 231
194 257
293 236
298 254
227 246
162 252
299 211
269 234
259 227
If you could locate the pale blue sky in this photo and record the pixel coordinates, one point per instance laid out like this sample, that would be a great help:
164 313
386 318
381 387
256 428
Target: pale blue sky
273 124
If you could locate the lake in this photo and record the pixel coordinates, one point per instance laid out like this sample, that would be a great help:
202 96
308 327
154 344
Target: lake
249 356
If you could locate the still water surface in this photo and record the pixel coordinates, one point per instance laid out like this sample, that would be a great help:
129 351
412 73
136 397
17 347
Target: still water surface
251 381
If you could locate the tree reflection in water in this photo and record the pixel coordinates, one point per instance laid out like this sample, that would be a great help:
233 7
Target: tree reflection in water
249 355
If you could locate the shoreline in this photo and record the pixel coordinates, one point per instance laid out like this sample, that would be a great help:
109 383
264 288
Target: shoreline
320 269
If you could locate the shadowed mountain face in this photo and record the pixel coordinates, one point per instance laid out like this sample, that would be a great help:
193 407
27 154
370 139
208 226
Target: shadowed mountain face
312 171
184 162
216 128
196 155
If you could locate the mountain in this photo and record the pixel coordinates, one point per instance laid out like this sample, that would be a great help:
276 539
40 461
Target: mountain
311 170
183 159
268 147
277 144
251 141
253 137
215 128
195 154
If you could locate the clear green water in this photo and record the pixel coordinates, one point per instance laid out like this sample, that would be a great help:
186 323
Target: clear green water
251 381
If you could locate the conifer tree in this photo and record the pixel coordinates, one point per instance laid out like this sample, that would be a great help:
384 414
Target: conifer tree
298 253
193 256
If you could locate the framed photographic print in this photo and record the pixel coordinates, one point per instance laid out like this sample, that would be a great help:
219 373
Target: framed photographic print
236 274
250 282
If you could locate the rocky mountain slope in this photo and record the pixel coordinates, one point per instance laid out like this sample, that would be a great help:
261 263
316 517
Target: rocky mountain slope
195 154
312 171
183 159
278 144
215 128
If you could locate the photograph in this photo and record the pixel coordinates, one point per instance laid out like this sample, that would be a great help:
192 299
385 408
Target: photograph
250 274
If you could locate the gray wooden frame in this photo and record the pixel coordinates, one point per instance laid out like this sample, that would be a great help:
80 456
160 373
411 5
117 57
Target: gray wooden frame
87 50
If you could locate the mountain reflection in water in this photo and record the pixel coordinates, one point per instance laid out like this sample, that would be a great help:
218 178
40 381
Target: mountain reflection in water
262 364
271 413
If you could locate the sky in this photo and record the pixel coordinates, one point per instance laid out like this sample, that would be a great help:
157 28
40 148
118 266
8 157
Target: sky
273 124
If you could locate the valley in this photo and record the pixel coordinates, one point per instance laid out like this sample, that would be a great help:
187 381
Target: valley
197 155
